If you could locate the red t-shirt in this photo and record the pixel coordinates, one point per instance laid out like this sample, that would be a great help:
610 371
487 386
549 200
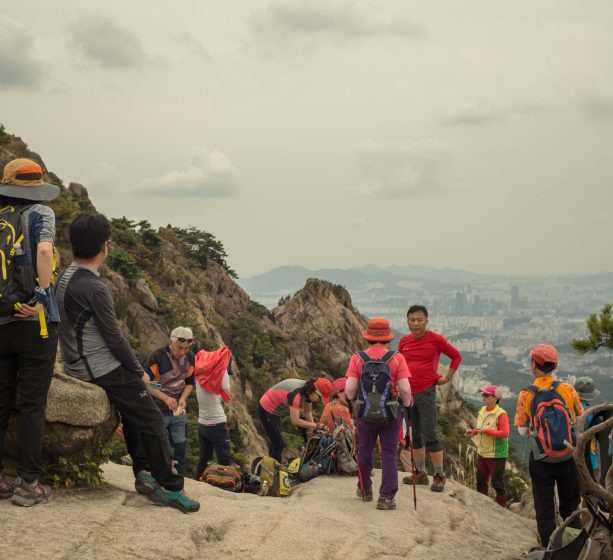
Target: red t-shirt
398 366
422 356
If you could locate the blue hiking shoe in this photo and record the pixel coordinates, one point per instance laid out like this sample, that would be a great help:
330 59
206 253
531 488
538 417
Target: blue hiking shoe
175 499
145 483
28 494
6 488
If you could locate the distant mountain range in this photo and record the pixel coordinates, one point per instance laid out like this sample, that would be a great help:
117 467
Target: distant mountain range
394 279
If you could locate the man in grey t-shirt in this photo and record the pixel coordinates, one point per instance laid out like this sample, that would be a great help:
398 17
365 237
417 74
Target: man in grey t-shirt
94 349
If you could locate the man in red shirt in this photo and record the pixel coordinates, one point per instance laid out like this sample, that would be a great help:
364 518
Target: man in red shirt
421 350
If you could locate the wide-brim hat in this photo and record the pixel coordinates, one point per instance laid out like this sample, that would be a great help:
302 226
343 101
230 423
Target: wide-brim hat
586 388
378 330
23 178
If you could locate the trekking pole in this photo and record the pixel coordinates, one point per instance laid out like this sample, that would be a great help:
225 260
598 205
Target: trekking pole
357 456
409 444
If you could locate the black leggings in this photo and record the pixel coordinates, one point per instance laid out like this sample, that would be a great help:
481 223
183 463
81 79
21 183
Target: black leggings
272 425
545 477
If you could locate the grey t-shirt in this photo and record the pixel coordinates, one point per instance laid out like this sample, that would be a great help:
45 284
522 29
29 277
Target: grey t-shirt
91 340
210 408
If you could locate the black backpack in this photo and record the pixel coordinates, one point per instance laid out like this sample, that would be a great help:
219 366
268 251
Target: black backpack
374 401
17 280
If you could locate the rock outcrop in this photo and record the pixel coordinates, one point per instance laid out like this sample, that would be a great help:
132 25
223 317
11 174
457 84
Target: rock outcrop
323 326
79 421
323 519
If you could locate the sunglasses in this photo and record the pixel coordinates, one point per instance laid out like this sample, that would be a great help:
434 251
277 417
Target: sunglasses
184 340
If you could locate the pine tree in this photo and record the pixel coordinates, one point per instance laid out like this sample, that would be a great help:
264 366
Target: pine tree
600 333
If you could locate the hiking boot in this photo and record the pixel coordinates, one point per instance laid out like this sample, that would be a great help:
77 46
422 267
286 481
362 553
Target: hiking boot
6 488
421 477
175 499
366 495
28 494
438 483
386 503
145 483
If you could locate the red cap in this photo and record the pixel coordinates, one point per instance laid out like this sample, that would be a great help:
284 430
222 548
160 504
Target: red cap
492 390
544 353
338 385
325 388
378 330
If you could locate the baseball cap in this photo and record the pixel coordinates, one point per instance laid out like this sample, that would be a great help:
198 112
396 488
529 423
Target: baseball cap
544 353
325 388
492 390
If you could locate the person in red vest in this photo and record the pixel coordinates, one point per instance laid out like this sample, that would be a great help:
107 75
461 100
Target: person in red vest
421 350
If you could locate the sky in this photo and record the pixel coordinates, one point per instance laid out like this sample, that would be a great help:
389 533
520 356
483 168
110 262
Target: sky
474 134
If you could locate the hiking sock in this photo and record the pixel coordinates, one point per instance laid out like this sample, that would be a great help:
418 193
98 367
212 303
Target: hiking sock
420 465
438 470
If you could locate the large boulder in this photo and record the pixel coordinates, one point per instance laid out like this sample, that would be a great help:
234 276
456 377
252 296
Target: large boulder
79 421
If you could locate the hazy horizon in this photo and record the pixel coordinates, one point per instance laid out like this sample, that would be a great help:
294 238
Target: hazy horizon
473 135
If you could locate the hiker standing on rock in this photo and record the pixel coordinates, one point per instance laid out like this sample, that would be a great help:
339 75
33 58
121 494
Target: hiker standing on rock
213 371
28 320
291 394
492 438
94 349
551 464
375 379
421 350
172 366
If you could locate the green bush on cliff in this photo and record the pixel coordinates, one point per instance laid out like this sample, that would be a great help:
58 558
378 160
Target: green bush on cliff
202 246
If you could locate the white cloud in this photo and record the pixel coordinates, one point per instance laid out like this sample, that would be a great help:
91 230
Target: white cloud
104 41
481 115
399 169
597 106
19 66
298 21
210 174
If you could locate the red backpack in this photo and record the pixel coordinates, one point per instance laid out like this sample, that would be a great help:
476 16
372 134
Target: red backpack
552 425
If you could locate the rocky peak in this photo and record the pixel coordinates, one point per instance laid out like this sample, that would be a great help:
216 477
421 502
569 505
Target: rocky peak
324 327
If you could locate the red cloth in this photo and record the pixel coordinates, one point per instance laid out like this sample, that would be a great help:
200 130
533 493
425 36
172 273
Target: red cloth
210 369
503 428
422 356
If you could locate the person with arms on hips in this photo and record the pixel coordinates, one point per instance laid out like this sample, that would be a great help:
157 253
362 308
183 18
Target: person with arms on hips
291 395
213 371
551 460
95 350
421 350
28 320
491 436
336 411
375 380
172 366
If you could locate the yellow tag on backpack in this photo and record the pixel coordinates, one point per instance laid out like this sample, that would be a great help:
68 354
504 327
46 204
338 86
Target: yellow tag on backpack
274 476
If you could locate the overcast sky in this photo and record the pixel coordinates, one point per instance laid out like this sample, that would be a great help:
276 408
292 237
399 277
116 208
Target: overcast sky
474 134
